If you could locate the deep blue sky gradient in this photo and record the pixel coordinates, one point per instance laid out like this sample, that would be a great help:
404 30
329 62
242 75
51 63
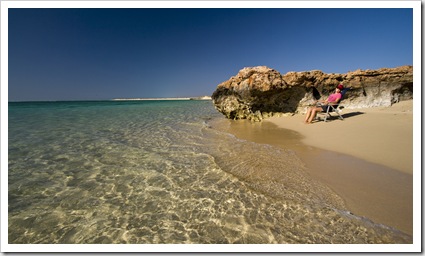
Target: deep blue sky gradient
94 54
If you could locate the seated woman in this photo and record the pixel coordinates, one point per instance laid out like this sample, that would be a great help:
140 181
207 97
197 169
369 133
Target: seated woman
332 99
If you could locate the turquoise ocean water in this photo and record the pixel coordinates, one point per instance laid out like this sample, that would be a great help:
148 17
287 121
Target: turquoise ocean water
138 172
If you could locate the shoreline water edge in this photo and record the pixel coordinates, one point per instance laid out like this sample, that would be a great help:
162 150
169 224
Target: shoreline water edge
366 159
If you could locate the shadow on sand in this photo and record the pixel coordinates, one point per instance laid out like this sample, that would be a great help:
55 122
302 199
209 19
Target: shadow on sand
351 114
334 116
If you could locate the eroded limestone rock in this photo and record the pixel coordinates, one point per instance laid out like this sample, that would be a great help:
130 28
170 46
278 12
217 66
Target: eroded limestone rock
260 92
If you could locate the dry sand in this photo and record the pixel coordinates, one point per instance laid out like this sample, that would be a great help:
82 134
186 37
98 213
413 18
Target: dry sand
365 158
381 135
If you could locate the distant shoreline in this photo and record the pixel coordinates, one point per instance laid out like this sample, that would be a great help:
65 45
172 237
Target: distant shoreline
130 99
117 99
193 98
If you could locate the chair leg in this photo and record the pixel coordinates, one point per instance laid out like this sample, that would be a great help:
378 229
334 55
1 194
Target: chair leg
327 116
339 115
327 113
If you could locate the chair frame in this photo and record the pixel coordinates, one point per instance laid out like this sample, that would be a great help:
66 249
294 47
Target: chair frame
332 109
335 108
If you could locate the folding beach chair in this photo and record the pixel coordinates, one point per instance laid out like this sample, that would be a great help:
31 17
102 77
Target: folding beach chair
335 108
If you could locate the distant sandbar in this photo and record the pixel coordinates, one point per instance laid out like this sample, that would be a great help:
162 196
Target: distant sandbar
194 98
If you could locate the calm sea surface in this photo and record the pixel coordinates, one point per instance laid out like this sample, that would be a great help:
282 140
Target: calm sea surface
160 172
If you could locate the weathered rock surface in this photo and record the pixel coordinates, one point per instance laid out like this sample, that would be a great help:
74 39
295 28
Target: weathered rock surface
259 92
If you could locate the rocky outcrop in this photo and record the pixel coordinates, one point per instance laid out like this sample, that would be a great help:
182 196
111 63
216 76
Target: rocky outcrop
259 92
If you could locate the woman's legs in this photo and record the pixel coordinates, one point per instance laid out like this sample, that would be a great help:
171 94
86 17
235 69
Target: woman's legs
307 115
311 114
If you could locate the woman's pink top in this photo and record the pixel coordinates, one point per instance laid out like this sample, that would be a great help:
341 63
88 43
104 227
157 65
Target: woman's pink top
334 97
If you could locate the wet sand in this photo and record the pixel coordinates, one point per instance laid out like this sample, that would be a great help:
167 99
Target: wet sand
366 158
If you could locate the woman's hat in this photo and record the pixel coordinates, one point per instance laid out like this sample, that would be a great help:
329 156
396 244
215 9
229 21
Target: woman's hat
340 86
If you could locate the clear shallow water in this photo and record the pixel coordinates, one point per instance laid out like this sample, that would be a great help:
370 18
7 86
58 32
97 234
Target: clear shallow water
157 172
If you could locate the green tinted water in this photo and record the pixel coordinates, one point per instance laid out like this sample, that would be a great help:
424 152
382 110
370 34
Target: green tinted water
157 172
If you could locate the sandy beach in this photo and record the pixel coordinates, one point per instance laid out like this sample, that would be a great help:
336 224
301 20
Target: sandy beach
382 135
367 158
379 187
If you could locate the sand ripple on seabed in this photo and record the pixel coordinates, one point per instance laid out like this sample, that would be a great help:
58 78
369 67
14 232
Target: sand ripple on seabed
169 206
206 190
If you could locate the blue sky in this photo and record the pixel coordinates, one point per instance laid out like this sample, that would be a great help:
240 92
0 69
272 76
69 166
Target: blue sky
95 54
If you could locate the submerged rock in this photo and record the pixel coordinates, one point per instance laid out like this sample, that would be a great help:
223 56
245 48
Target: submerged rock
260 92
